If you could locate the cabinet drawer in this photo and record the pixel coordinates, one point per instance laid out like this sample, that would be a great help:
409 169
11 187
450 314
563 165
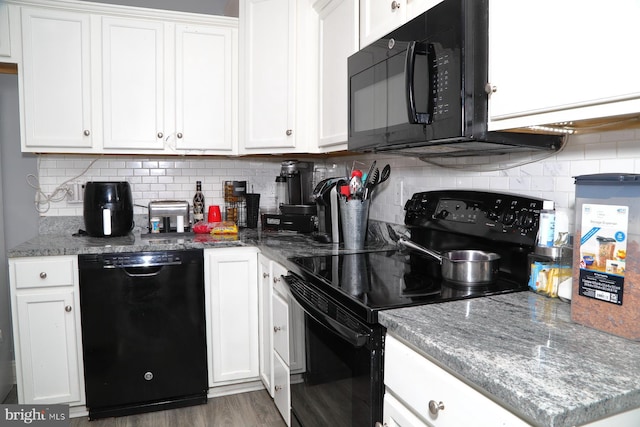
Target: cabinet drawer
42 272
417 381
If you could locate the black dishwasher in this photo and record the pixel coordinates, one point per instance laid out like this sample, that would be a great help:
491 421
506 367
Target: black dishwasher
143 331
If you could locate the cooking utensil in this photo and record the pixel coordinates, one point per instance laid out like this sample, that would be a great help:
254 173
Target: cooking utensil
386 171
368 177
371 183
465 267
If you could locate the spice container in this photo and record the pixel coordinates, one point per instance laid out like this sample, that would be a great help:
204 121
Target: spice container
606 268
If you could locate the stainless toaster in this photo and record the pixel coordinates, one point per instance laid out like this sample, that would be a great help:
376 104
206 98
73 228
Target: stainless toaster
167 214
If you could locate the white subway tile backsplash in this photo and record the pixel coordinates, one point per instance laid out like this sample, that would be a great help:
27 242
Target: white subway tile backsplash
175 177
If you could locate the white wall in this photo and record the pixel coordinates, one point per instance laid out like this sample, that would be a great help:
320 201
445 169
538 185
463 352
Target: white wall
174 177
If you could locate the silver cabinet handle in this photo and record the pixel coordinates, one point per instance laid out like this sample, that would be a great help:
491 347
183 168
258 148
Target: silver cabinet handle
277 328
489 88
43 275
265 275
395 5
179 135
289 132
160 135
276 279
67 309
435 407
87 132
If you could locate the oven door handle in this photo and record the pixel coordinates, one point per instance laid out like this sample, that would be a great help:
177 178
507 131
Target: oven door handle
355 338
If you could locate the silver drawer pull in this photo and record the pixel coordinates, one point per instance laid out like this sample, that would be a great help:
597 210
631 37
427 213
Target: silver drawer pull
277 328
43 275
67 309
435 407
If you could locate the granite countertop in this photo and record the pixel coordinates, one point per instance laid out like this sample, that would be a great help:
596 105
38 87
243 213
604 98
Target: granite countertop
523 350
280 245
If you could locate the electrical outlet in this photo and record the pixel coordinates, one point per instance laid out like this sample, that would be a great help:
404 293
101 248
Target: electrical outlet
76 193
399 194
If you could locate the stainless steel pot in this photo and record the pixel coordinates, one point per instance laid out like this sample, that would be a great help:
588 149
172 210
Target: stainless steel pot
466 267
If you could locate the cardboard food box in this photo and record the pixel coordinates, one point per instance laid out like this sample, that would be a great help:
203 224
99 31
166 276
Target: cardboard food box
606 268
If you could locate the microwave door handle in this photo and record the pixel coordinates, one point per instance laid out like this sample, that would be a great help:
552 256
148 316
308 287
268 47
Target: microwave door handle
409 71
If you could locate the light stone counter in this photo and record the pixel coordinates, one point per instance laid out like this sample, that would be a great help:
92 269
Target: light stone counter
524 351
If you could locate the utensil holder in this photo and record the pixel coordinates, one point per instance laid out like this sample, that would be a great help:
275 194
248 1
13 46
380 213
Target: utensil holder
253 206
354 217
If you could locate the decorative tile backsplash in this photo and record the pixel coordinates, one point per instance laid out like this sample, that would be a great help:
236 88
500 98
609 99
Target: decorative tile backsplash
154 178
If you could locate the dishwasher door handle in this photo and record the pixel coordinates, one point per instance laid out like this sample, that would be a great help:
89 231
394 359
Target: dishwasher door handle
142 271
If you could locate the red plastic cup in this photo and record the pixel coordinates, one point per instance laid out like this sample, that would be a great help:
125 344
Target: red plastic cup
214 214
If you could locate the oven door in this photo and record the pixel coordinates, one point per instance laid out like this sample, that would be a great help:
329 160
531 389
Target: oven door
342 385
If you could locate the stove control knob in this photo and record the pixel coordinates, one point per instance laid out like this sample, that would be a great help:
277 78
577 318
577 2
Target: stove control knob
509 218
443 214
527 220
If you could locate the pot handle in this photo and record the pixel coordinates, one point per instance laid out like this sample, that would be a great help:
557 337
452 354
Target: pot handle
411 245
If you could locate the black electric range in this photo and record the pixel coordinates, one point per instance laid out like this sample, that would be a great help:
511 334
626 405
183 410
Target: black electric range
341 295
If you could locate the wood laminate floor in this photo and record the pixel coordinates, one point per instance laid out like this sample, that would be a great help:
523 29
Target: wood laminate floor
252 409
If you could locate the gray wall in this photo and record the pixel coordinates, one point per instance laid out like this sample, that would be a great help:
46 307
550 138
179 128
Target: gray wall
209 7
18 217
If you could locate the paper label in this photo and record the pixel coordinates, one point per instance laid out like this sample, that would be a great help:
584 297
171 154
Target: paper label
603 251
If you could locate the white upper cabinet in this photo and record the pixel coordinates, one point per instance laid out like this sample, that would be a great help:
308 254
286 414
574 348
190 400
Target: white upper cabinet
133 84
268 45
379 17
56 80
103 79
5 32
338 39
206 88
555 61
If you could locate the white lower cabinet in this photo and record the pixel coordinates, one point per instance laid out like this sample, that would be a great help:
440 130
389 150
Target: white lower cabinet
281 335
436 397
45 307
231 292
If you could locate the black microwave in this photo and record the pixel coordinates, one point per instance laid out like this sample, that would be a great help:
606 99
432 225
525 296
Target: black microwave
420 90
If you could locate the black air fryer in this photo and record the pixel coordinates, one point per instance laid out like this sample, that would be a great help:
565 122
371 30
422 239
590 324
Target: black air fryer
108 208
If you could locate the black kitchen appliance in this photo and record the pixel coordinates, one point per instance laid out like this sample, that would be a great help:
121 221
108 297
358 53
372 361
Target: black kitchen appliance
108 208
143 331
420 90
342 294
328 210
299 214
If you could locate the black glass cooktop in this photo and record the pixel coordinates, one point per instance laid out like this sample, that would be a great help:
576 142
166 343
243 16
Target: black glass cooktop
371 281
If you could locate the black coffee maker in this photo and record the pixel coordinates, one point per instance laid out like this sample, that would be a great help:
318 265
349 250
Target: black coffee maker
299 213
326 197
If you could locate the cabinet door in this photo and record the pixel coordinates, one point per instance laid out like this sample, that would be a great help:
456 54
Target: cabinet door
48 348
395 414
566 69
282 393
417 7
231 274
338 40
266 323
379 17
133 81
269 78
56 79
206 88
281 327
5 41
